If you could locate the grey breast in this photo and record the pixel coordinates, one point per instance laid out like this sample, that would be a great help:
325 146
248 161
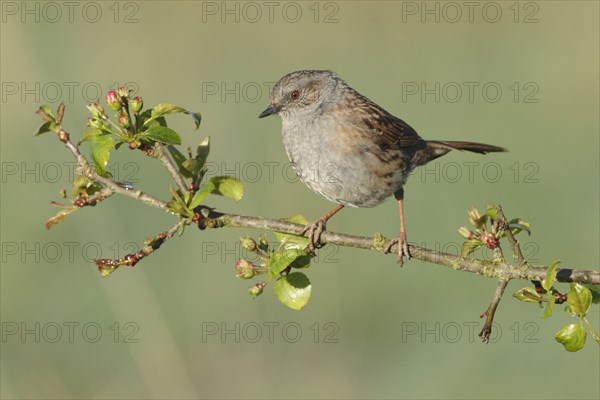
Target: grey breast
345 176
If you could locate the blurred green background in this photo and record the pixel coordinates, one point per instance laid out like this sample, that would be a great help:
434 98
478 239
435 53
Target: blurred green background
179 325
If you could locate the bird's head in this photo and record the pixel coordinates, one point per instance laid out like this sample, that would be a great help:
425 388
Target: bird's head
302 92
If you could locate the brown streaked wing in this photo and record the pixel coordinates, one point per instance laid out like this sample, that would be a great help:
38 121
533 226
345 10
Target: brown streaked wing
387 129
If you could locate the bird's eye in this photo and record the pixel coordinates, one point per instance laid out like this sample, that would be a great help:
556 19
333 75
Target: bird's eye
295 95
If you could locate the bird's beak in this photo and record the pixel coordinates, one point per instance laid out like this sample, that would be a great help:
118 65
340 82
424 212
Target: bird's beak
269 110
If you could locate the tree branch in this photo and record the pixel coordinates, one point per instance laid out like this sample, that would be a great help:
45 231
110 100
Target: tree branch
87 171
168 164
491 311
107 265
489 268
514 244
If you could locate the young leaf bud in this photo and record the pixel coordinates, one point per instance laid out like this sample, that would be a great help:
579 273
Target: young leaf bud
124 121
123 92
136 104
248 243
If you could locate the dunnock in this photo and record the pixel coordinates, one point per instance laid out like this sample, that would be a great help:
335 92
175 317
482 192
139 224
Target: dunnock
347 148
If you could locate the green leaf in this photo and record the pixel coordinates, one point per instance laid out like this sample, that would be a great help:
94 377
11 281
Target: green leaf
175 208
202 151
162 134
62 214
46 113
595 290
187 198
187 166
547 313
528 295
579 299
79 185
288 240
301 262
100 148
144 120
281 259
517 225
90 134
221 185
492 213
48 126
550 276
572 337
201 194
161 110
228 186
46 110
197 117
293 290
470 246
179 159
190 167
193 167
181 230
82 186
178 205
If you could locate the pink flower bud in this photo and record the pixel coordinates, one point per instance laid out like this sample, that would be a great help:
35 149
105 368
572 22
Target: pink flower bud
257 289
113 100
245 269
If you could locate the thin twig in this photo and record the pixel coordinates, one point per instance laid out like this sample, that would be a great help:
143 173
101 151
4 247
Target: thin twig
497 226
514 244
108 265
168 163
522 263
90 173
491 311
96 198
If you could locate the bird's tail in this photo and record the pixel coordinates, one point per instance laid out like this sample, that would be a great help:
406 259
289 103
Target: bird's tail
437 148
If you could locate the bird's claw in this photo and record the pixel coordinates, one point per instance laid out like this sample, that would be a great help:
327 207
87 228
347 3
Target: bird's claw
314 229
402 247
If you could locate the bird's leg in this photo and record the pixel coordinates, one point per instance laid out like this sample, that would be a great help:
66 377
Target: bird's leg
317 227
401 239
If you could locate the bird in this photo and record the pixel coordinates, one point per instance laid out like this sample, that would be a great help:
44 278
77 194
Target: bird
349 149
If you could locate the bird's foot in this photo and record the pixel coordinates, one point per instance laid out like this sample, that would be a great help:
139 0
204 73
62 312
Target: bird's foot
402 247
314 229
